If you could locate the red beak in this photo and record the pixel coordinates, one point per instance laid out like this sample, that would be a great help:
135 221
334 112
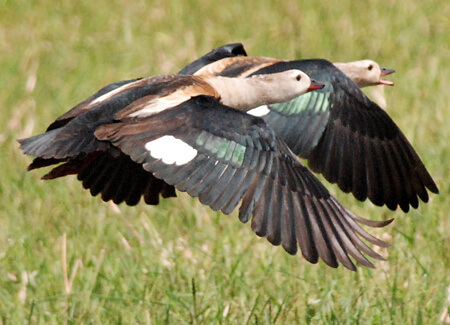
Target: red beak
316 85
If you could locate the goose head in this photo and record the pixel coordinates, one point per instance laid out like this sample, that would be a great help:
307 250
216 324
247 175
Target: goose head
286 85
365 73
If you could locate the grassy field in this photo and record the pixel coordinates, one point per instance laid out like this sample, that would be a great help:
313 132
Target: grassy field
66 257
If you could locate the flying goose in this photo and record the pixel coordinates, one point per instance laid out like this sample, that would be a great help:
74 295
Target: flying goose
343 134
148 136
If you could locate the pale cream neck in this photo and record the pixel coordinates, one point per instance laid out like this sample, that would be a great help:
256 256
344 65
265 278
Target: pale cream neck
247 93
350 71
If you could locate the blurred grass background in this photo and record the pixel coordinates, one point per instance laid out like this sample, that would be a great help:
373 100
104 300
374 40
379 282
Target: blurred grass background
66 257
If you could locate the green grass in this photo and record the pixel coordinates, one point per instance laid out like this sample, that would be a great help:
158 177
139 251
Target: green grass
180 262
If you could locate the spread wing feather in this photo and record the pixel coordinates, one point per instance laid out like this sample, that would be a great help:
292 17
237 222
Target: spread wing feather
287 204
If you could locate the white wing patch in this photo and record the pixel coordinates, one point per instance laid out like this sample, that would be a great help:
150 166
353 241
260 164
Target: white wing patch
171 150
259 111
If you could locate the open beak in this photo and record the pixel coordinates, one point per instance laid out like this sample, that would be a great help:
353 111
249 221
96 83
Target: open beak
315 85
385 72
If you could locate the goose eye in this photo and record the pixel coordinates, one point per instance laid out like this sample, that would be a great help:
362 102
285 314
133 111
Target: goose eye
298 77
370 67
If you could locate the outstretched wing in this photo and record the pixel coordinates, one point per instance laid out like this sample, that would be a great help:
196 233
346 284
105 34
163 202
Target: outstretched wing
350 139
223 156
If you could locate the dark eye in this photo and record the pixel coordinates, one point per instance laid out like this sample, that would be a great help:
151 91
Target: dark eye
298 77
370 67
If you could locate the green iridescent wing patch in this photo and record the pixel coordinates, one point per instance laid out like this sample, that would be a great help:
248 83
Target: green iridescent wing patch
310 103
226 150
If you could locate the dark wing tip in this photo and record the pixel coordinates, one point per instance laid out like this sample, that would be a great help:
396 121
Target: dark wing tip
225 51
235 48
433 187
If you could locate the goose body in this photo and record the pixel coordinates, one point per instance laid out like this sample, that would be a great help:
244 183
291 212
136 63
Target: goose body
127 141
343 134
